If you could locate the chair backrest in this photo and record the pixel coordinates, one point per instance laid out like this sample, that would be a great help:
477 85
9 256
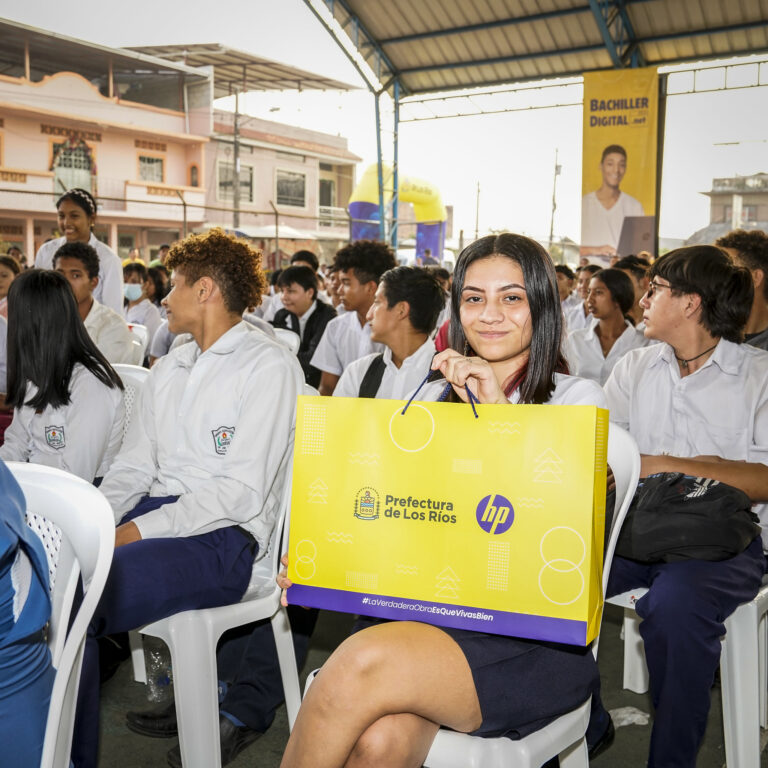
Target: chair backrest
624 460
142 334
85 546
137 350
133 377
289 338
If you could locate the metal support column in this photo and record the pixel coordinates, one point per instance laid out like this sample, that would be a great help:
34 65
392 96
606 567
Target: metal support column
393 233
662 120
236 166
380 169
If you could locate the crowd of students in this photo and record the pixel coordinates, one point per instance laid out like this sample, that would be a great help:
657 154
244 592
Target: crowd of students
195 485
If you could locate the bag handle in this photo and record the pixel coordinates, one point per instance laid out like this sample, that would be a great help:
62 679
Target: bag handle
470 395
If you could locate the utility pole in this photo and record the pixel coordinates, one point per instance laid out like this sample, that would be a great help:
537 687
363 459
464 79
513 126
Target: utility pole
477 212
554 204
236 173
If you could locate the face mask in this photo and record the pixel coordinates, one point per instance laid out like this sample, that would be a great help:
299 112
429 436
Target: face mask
132 291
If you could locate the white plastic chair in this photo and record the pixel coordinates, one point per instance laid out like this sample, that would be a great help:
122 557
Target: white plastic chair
142 334
192 636
137 351
565 736
134 377
77 528
289 338
743 673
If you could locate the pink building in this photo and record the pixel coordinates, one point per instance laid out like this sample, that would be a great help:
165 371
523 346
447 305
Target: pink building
140 132
128 127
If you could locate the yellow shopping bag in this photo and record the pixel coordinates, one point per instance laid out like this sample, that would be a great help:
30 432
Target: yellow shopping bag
493 523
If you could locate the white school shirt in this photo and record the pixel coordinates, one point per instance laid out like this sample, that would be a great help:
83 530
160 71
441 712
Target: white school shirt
720 410
109 290
344 341
161 342
602 226
569 390
575 318
585 357
271 306
144 313
396 383
82 437
215 428
109 333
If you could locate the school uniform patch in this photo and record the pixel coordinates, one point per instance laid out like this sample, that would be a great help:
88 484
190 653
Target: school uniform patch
222 439
54 436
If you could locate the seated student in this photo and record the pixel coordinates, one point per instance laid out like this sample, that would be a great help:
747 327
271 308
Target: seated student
25 607
402 317
593 351
347 338
9 270
196 487
697 404
304 314
381 697
577 316
750 250
68 401
333 282
565 284
636 269
161 342
79 263
157 288
138 307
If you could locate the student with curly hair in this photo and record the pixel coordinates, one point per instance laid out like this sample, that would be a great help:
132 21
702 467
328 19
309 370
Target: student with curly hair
750 250
196 487
347 338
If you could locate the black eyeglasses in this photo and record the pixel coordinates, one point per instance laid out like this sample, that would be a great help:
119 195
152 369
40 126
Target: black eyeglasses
653 287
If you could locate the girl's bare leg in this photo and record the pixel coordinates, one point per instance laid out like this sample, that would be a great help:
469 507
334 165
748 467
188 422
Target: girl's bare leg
389 669
394 741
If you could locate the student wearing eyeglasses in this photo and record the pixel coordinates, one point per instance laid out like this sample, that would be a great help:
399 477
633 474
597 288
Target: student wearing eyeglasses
697 404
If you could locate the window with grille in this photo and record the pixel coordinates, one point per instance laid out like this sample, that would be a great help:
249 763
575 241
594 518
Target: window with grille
73 166
151 169
291 188
227 178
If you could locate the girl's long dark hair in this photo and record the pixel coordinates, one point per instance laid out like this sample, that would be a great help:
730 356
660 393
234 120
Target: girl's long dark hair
535 381
46 339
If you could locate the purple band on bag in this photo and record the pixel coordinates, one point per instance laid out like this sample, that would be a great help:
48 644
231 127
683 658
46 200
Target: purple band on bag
442 614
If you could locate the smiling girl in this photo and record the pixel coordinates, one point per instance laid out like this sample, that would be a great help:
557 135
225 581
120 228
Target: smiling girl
76 210
382 696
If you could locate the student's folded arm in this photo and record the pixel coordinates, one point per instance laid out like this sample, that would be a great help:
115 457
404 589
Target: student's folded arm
134 469
246 479
750 477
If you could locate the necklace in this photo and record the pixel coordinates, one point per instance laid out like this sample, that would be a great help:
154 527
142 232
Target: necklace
684 363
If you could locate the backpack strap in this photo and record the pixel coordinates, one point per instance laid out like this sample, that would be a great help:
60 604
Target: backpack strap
371 382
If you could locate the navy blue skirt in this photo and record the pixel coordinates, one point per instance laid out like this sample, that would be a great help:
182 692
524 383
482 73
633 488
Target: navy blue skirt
522 685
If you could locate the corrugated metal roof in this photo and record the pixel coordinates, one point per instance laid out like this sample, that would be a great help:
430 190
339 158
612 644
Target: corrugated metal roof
235 70
438 45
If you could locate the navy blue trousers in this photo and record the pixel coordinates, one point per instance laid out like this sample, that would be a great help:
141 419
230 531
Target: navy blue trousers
683 614
150 580
247 663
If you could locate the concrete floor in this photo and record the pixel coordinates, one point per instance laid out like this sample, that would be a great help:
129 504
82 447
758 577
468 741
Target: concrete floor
120 748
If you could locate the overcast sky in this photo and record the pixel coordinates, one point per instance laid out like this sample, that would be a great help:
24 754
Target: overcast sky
511 155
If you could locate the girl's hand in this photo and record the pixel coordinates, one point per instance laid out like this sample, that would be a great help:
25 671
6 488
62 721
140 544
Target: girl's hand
283 581
470 371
